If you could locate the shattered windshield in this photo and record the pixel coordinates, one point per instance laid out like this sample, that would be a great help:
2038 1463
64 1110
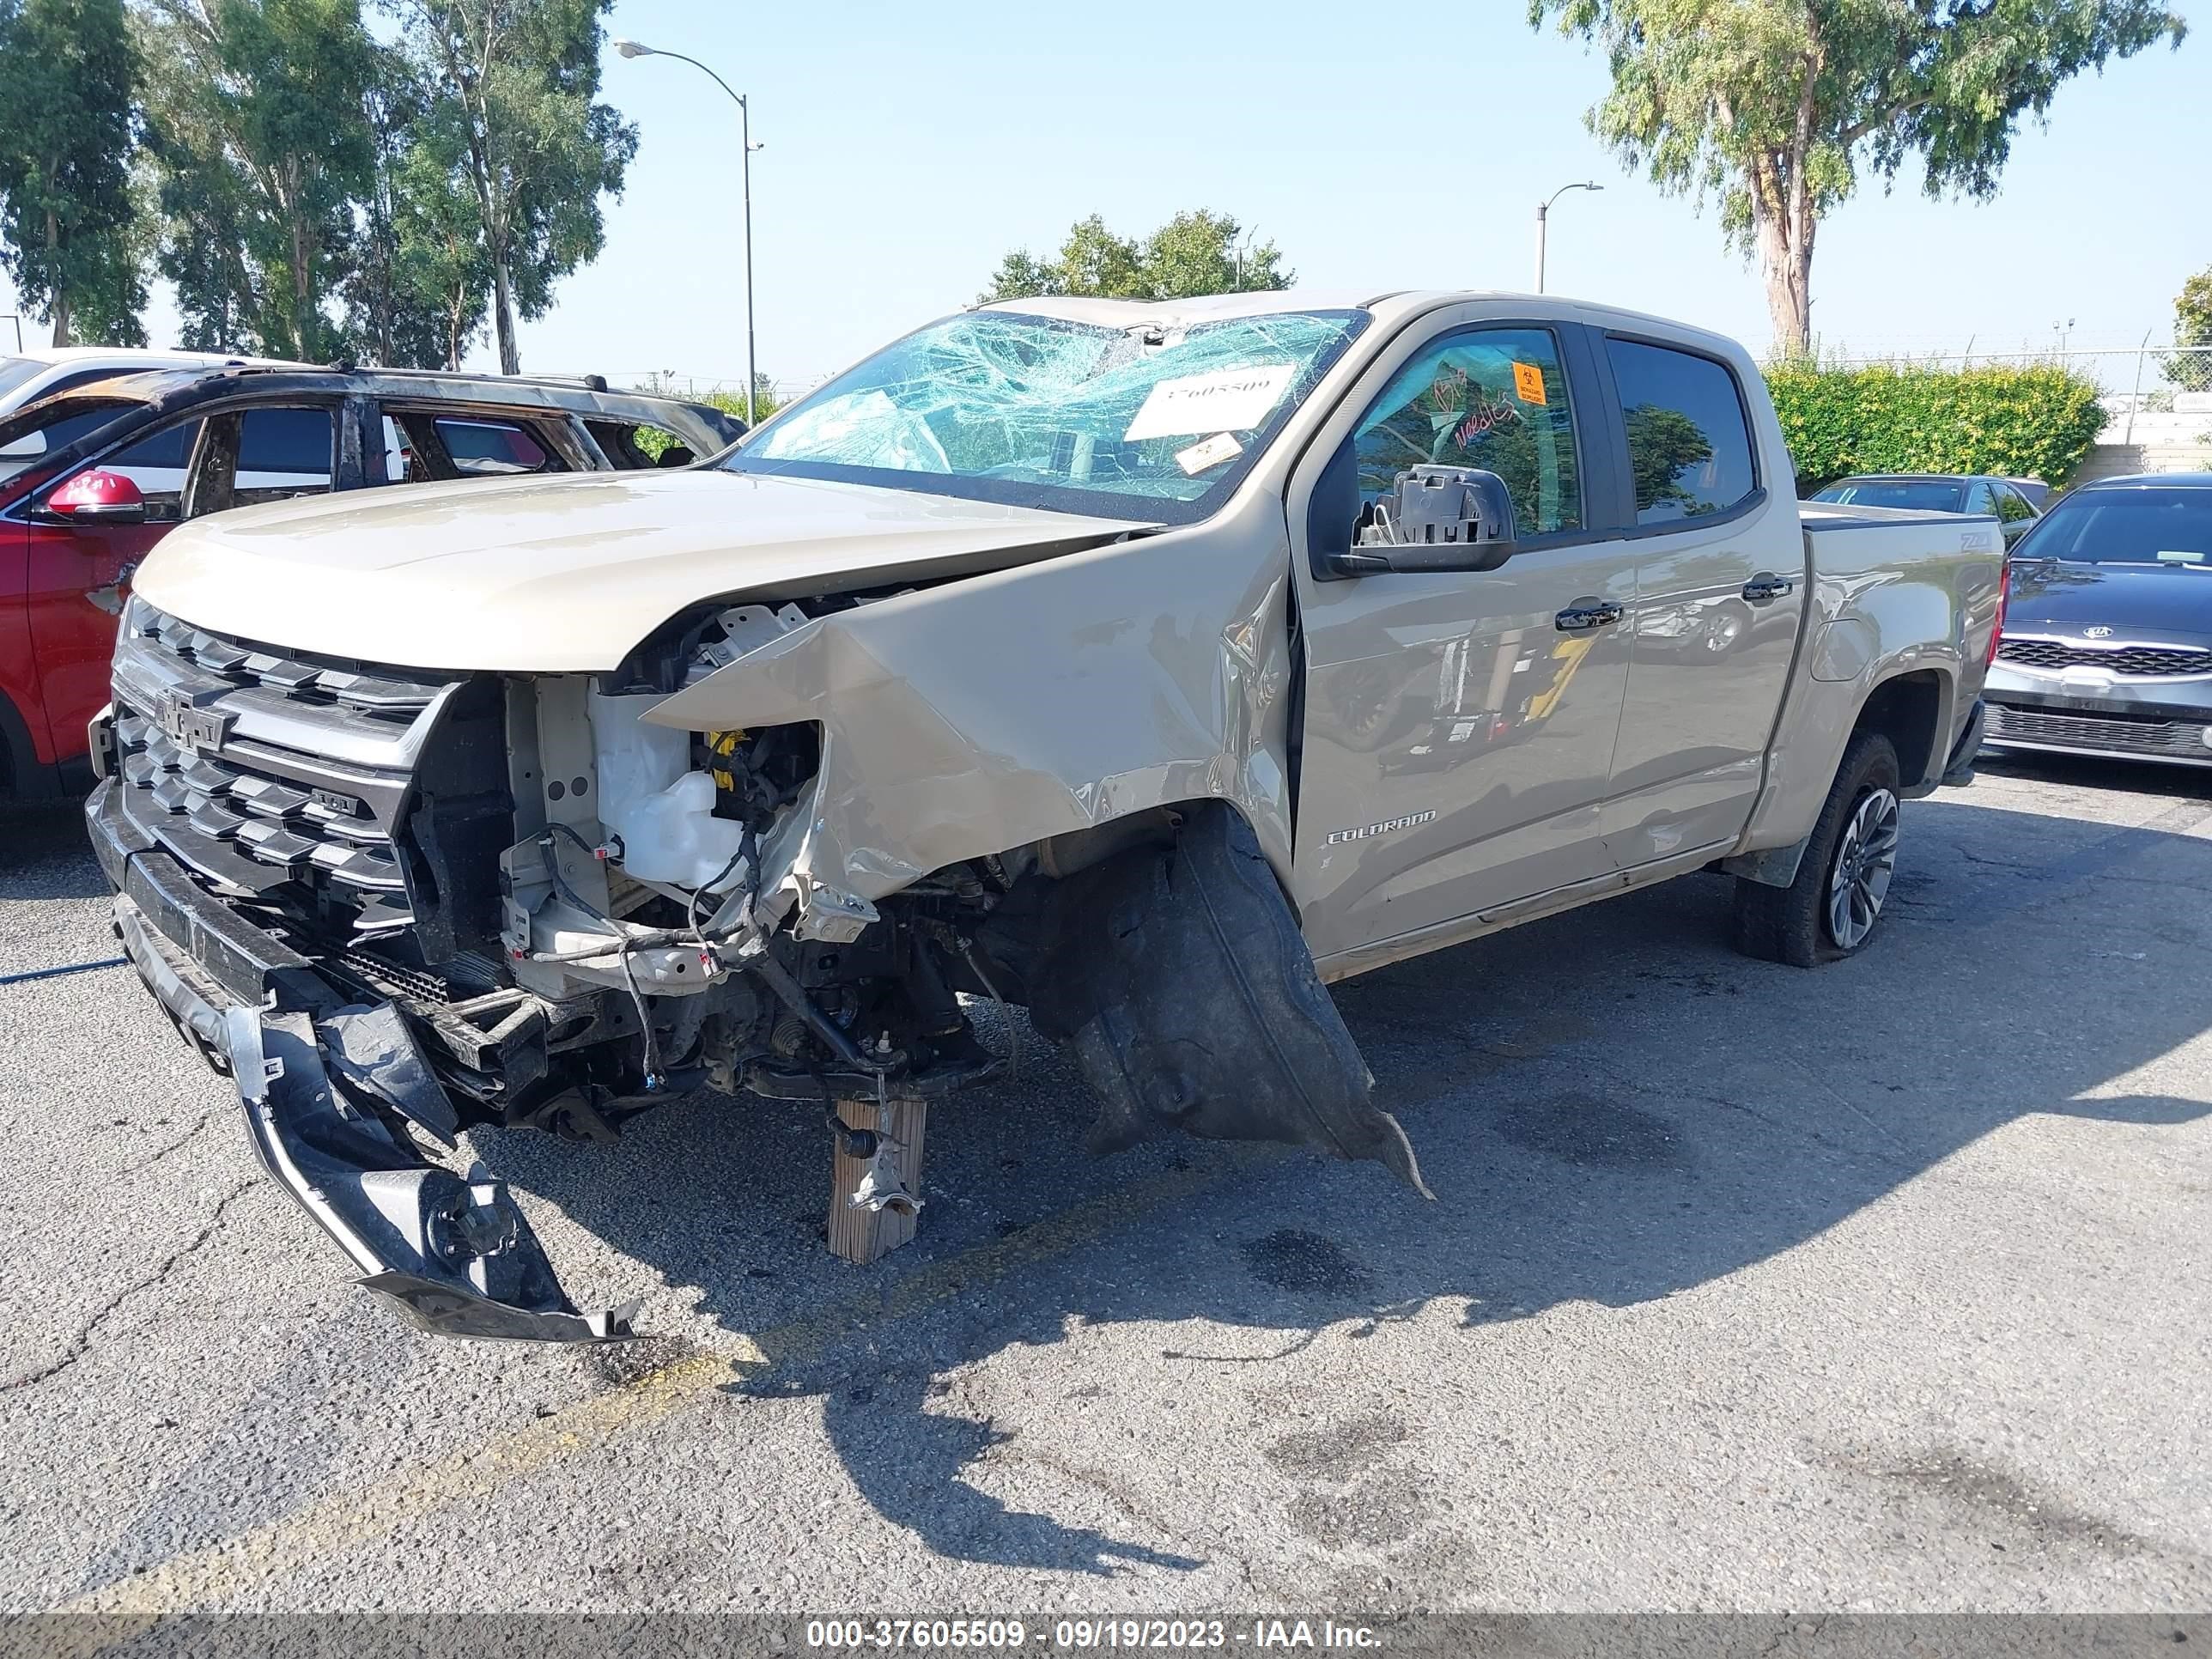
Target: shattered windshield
1074 417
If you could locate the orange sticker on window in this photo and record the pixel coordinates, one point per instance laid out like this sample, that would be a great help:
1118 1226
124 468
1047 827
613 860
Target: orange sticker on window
1529 382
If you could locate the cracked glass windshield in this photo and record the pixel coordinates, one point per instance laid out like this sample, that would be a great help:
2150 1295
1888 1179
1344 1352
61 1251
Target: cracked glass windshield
1138 424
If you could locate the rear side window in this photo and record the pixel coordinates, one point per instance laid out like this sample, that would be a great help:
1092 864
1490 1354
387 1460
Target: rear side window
481 448
1689 444
291 445
2012 506
639 445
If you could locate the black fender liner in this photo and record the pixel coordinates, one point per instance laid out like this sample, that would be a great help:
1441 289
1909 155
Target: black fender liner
1190 999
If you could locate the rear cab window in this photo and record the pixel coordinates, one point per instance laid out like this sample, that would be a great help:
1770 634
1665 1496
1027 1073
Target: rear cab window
1913 495
1689 440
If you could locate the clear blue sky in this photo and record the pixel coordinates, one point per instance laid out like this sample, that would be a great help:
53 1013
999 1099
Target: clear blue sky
908 147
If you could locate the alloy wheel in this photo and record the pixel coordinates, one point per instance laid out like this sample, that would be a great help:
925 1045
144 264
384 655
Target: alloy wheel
1866 857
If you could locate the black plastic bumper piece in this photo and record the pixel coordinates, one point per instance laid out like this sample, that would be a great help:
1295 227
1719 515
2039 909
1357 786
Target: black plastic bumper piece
1958 770
324 1084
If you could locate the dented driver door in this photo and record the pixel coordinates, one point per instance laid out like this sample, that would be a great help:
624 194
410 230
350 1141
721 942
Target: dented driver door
1459 726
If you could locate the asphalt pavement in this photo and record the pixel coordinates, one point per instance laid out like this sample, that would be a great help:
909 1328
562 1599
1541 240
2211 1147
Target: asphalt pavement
1881 1287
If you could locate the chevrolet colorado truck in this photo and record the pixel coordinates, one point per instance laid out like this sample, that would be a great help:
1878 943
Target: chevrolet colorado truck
1146 665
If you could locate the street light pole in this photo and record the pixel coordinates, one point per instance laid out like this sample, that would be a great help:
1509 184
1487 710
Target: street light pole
1543 214
639 49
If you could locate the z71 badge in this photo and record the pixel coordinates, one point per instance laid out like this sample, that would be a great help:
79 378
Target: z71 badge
1336 837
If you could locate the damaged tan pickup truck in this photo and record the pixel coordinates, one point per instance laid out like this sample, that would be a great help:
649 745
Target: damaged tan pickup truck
1145 665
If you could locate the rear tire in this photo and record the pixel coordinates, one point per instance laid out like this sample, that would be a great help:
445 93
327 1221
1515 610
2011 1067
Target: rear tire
1833 908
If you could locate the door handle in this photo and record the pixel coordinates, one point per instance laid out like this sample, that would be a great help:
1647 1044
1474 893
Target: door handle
1766 586
1585 614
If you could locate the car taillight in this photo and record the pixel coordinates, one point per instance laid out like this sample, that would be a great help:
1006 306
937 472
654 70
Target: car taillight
1997 623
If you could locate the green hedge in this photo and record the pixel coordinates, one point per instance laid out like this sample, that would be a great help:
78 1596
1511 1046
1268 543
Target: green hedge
652 439
2036 420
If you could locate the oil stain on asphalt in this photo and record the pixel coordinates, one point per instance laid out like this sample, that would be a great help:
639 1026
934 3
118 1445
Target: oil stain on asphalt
1293 1259
1588 1129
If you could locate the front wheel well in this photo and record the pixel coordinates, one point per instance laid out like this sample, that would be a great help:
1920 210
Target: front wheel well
1908 710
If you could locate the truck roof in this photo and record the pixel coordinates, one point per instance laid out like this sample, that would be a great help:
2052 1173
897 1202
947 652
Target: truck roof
1389 306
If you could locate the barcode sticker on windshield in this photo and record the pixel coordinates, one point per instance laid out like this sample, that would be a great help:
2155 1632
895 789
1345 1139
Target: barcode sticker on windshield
1227 400
1208 452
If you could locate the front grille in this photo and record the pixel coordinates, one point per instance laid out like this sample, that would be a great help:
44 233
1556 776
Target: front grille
2111 733
2135 659
282 776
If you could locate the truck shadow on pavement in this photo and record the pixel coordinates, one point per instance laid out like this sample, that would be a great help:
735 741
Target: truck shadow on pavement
1611 1106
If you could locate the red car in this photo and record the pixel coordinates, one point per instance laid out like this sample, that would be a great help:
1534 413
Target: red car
92 477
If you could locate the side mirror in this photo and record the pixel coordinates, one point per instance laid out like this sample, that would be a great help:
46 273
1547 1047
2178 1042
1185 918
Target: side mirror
1436 517
97 497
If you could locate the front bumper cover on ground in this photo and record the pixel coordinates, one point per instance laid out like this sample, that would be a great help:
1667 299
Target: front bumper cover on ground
328 1086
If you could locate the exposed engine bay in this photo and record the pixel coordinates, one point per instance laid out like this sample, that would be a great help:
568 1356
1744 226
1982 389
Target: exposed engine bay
550 911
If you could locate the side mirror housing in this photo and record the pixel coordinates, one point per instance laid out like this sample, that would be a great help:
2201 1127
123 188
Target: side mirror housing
1436 517
1447 518
96 497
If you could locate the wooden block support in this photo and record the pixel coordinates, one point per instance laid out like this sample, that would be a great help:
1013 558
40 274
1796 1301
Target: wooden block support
856 1234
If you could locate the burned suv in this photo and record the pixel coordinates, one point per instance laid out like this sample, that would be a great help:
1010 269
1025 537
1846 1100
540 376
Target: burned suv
94 475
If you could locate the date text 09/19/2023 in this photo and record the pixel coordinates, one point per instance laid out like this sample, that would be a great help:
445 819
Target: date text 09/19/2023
1013 1635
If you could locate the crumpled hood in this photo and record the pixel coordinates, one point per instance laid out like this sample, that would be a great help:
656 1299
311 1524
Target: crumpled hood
564 574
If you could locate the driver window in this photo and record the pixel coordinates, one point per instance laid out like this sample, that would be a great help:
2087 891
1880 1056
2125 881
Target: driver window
156 464
1490 398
